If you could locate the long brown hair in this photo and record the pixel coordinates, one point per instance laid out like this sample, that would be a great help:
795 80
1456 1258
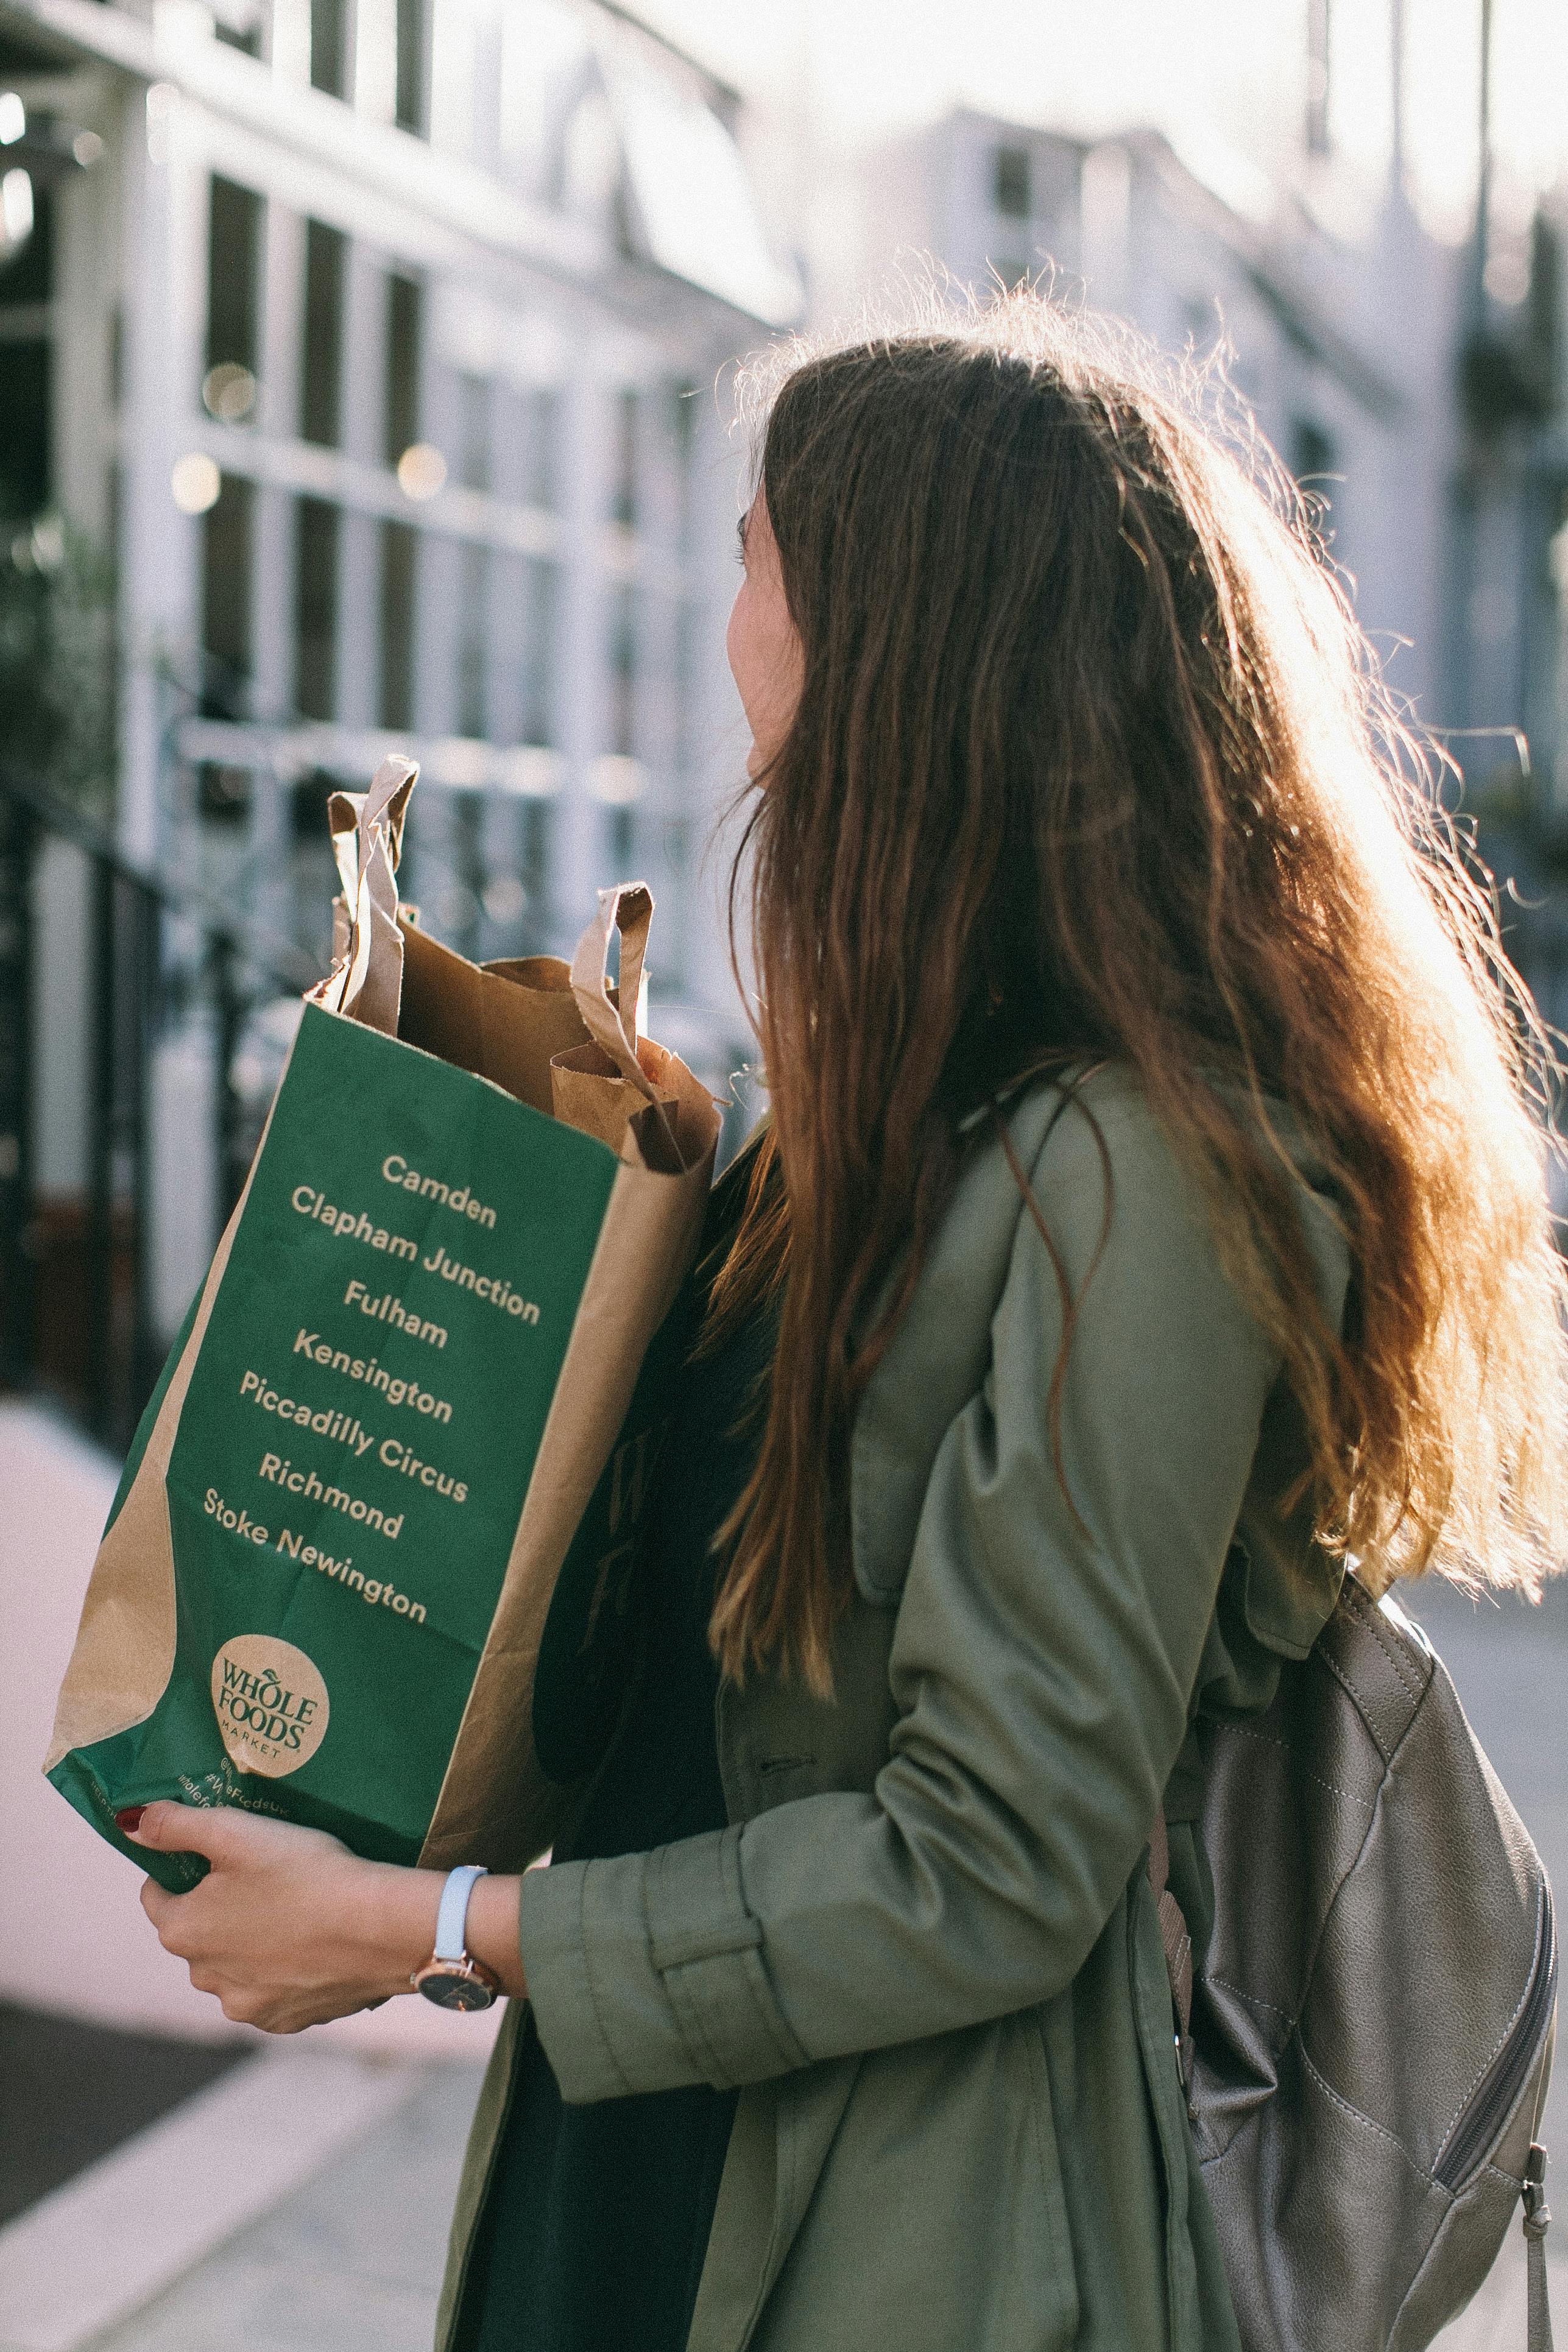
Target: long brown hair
1091 760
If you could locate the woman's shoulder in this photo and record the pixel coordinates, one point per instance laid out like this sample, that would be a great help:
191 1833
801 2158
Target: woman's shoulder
1073 1219
1075 1149
1059 1106
1081 1145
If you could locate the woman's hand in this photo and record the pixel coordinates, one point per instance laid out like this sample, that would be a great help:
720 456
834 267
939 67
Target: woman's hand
288 1927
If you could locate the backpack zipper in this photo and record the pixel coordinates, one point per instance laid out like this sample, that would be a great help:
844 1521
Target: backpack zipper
1488 2108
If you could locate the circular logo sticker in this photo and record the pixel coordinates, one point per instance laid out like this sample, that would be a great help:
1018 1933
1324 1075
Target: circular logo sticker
270 1703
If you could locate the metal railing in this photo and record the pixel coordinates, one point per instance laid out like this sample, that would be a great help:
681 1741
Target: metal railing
138 963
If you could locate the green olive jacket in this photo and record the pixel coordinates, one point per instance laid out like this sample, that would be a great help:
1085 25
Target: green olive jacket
926 1947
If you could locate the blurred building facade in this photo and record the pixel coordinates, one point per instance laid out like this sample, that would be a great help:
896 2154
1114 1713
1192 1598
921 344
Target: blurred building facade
1183 248
1416 388
357 391
356 372
373 342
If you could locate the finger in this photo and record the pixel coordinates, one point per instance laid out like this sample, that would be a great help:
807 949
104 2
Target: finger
173 1934
155 1901
213 1830
264 2010
181 1921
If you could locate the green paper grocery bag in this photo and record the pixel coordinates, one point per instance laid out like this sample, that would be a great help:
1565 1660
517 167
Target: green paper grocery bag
323 1585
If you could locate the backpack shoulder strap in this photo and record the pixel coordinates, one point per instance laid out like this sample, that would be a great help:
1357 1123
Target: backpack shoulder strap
1537 2322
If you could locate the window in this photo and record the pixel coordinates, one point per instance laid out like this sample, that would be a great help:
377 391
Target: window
309 823
403 321
473 640
238 24
474 432
687 636
26 368
535 872
410 101
682 415
458 906
234 275
223 794
547 50
542 427
29 274
329 46
1312 454
322 347
228 533
25 403
621 825
622 670
538 678
624 507
1319 33
674 840
399 547
1010 182
316 609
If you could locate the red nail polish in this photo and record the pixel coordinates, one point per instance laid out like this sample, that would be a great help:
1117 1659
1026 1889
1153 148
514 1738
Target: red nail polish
130 1820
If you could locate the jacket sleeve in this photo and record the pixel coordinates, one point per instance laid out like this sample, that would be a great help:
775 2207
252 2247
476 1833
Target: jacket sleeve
1042 1663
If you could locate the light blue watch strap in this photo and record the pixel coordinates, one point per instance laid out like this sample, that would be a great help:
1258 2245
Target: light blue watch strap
452 1918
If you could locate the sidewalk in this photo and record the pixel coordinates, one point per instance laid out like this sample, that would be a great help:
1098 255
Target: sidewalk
353 2257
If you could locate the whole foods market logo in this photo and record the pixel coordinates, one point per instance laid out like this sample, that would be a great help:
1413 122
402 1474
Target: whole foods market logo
270 1703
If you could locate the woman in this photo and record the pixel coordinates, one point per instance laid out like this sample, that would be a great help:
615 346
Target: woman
1151 1218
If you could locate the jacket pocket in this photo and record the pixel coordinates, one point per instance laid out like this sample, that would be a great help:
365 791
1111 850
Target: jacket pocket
1062 2294
938 2222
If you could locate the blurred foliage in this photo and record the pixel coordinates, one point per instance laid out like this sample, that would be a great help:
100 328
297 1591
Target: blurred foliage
57 665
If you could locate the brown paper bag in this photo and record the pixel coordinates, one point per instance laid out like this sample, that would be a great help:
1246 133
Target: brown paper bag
645 1103
556 1036
177 1586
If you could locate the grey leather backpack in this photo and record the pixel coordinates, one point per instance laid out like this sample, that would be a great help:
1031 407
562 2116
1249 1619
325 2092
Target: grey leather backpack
1371 2028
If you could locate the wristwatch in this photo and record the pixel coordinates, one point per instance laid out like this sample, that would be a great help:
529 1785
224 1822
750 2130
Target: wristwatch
450 1977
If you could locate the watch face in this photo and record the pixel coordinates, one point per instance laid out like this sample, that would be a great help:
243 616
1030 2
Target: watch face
455 1990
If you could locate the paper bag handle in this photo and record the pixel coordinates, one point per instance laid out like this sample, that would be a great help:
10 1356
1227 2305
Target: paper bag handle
628 908
366 979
